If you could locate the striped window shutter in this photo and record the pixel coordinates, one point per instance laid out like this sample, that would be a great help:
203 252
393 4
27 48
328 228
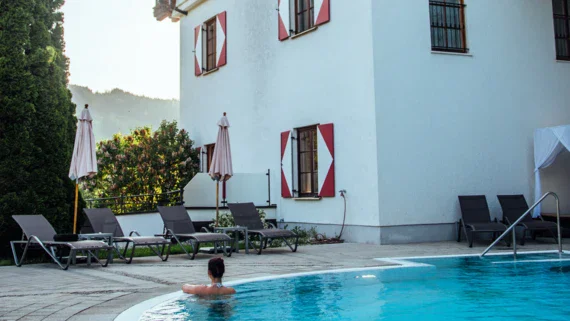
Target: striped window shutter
325 152
221 41
323 11
283 19
286 165
198 50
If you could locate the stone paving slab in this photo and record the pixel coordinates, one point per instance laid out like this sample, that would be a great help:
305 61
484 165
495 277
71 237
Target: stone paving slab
43 292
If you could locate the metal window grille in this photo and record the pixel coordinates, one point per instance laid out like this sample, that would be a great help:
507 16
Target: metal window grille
561 13
447 18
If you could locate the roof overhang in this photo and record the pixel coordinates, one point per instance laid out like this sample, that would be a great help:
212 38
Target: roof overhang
185 6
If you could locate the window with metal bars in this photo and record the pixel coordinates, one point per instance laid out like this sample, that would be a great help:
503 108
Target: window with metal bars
447 18
210 44
308 166
304 15
561 10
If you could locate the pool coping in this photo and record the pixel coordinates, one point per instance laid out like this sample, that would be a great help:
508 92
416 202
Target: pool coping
135 312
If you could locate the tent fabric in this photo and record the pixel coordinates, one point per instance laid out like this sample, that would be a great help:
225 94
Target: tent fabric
548 143
84 160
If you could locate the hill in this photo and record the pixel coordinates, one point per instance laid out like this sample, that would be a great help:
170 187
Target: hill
120 111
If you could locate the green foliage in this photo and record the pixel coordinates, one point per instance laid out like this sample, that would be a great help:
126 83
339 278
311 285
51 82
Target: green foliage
144 162
37 117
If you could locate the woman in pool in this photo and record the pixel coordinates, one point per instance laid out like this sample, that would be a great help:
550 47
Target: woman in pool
216 270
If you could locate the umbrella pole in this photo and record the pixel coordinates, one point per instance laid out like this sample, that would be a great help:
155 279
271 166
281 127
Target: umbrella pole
75 211
217 198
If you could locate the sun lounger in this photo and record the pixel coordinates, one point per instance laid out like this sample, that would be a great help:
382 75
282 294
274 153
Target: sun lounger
103 220
476 218
245 214
39 233
514 206
179 226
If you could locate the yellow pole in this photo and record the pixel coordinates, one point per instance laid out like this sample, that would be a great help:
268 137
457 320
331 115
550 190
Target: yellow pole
217 197
75 212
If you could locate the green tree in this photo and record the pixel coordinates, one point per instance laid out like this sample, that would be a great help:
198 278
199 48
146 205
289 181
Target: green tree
144 162
37 121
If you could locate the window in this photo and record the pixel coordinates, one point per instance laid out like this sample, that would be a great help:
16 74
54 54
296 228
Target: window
297 16
561 10
308 167
210 45
447 18
210 26
304 15
209 155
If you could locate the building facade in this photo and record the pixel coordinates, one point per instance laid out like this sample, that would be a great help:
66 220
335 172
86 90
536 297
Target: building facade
403 104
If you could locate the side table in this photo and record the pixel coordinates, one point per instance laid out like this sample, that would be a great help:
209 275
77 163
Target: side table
235 230
98 236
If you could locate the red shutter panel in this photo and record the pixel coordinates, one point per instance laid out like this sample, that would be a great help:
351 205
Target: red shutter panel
286 165
323 11
221 41
283 19
325 152
198 50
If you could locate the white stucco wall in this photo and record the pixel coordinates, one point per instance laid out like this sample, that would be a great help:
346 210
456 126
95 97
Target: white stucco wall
269 86
448 124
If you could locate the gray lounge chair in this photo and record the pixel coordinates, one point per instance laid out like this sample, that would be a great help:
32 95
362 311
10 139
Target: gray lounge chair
179 226
514 206
103 220
476 218
39 233
245 214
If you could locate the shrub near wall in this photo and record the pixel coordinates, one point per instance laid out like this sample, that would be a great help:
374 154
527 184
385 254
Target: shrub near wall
144 162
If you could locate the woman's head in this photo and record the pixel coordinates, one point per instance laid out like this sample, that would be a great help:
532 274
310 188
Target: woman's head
216 267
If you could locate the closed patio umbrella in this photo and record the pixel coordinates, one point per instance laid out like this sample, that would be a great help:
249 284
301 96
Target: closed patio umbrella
84 159
221 166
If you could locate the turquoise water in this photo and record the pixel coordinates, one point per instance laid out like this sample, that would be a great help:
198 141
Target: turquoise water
463 288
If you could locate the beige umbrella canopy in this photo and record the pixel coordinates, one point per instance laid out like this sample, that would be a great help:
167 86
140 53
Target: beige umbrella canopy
221 166
84 159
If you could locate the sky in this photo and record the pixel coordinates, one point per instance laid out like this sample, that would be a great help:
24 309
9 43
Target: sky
119 44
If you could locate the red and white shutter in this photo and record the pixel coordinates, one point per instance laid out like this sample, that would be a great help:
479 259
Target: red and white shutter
325 152
323 10
198 50
286 165
283 19
221 42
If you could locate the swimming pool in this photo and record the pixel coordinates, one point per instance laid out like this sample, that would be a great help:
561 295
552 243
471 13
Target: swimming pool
535 287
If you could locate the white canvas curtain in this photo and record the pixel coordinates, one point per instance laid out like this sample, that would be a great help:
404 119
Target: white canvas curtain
548 143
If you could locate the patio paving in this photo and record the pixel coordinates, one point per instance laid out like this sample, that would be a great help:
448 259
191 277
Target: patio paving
43 292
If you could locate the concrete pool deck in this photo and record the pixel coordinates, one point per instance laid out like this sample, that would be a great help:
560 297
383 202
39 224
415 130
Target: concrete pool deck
43 292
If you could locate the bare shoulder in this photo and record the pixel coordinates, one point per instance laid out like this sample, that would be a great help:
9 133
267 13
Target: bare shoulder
193 289
229 291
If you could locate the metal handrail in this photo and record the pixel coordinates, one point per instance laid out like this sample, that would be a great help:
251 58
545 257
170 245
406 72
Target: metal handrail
513 225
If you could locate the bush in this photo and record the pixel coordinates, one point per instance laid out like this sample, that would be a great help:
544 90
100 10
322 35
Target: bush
144 162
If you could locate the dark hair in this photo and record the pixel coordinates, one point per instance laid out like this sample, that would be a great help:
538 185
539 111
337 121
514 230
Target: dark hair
216 267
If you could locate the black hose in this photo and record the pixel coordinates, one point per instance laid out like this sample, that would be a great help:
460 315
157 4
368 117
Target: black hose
344 217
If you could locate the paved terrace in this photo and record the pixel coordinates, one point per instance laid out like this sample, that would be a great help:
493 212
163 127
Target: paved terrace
43 292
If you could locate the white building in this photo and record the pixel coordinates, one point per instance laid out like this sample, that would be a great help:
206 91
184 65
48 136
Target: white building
403 104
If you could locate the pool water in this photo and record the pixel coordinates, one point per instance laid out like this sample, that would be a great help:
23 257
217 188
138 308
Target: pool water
535 287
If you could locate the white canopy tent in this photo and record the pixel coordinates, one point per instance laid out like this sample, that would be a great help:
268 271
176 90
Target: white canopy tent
548 143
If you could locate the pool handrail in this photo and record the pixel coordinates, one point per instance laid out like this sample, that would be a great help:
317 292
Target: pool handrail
514 224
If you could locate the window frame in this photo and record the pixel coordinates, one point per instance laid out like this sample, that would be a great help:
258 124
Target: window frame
445 26
565 16
210 38
313 172
309 11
